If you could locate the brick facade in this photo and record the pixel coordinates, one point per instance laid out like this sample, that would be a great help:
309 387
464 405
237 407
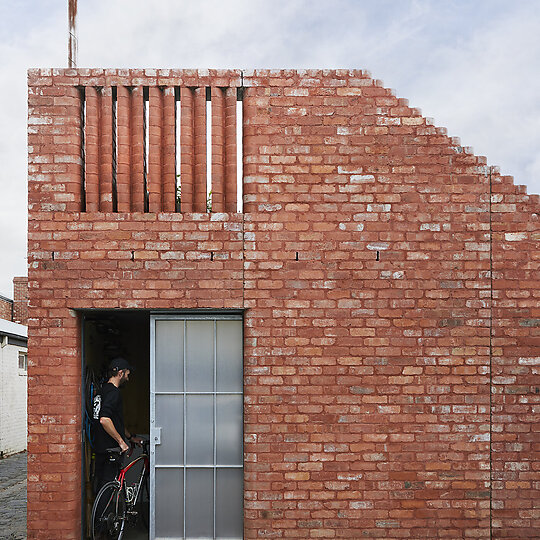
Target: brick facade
16 310
20 300
6 308
389 279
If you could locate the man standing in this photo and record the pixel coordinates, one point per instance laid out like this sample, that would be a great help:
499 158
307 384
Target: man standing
108 415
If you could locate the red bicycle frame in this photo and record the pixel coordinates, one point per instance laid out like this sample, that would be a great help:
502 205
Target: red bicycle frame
146 467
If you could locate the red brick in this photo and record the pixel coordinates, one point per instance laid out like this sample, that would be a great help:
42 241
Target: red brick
388 379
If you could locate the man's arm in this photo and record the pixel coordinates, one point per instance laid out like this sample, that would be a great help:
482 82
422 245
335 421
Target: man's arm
133 438
108 426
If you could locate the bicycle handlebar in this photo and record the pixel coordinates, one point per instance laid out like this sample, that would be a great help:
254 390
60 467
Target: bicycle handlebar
117 450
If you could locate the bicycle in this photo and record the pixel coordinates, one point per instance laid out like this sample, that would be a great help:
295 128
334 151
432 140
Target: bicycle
118 504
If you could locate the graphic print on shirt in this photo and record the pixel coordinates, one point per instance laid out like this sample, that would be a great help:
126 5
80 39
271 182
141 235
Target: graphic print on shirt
97 407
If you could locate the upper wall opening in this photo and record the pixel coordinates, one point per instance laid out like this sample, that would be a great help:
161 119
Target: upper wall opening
161 148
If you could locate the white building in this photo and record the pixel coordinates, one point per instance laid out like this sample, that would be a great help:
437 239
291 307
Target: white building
13 387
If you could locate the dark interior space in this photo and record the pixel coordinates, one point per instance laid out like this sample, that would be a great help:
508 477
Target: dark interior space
106 335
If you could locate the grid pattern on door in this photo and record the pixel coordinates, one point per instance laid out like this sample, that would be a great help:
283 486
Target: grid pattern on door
197 427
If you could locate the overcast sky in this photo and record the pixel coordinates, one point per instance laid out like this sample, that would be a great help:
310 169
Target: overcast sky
473 66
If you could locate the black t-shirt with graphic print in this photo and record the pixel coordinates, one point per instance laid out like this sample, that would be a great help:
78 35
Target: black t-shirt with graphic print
108 404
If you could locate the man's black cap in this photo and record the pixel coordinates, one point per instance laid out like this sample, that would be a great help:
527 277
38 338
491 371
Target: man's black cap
119 363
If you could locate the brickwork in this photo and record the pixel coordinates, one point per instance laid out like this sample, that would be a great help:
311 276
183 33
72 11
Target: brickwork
515 360
20 300
6 308
16 310
390 286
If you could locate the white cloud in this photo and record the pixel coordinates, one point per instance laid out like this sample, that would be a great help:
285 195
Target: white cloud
485 89
470 65
21 47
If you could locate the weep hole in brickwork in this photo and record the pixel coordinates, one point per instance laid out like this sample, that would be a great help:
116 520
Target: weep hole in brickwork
161 149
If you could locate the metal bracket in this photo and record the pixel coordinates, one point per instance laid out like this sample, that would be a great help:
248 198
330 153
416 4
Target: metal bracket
155 435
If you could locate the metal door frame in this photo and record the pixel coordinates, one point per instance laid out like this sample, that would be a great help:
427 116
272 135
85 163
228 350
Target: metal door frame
154 434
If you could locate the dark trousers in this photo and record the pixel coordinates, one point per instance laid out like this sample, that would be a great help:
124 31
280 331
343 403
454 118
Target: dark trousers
105 471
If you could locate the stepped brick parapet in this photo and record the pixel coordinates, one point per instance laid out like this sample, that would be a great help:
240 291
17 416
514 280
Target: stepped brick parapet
389 280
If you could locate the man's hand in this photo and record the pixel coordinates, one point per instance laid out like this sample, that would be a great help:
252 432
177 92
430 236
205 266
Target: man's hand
123 446
136 440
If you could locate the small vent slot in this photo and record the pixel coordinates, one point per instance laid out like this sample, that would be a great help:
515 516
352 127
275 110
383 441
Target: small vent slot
208 149
114 149
239 149
146 145
178 149
82 94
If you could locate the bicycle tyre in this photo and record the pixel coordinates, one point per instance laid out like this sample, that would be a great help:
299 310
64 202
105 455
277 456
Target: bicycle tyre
144 503
108 512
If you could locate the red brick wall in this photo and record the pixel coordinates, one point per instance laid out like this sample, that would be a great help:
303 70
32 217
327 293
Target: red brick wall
515 360
16 310
6 309
390 282
20 300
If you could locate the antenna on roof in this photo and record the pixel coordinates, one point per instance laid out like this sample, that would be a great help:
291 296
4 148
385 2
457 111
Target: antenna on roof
72 45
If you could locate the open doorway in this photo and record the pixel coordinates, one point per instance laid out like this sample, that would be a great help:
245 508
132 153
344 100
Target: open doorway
106 335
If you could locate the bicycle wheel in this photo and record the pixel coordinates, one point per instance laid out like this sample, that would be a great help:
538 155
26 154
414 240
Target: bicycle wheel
108 512
144 503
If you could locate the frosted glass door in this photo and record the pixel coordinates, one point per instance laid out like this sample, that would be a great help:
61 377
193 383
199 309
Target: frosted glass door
196 404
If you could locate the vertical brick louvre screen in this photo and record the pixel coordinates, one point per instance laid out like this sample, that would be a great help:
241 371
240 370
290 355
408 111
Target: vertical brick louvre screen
389 279
127 134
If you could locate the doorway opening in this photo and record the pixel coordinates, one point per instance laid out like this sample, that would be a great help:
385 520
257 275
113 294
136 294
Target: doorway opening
186 396
107 335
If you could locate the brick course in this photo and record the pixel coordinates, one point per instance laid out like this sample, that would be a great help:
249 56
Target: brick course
389 279
20 300
6 308
16 310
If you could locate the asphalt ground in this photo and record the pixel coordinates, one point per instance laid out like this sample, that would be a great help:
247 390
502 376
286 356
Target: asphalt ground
13 497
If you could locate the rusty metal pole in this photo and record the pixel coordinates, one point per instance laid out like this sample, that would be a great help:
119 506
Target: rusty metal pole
72 46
